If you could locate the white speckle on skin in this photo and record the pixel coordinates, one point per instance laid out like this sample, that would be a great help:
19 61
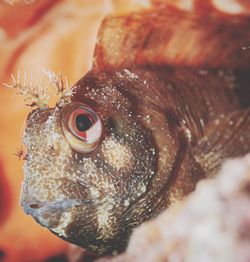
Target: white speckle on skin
94 192
117 155
188 134
202 122
104 219
130 74
141 190
126 203
65 220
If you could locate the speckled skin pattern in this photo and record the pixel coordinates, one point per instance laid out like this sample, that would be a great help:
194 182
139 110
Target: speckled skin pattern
162 132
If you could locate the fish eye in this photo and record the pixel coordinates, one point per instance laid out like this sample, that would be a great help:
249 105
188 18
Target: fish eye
83 122
81 126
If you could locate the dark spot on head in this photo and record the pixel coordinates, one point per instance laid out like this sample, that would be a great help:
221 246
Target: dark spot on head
172 120
243 80
111 124
35 206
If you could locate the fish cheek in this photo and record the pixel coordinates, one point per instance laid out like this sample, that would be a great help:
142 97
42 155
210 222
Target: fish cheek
129 154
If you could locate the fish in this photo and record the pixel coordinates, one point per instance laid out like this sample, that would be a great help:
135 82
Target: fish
166 101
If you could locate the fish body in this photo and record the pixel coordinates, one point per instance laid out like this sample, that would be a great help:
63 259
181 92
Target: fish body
162 131
133 138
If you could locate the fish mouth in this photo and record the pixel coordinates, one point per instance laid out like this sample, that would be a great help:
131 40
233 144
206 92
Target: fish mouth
49 214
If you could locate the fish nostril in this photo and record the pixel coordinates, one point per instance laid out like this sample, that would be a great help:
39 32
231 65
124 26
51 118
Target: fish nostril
34 206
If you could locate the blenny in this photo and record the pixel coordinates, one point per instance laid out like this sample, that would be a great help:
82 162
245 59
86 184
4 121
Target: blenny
166 101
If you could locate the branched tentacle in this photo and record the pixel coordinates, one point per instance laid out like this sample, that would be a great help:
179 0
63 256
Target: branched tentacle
36 95
60 83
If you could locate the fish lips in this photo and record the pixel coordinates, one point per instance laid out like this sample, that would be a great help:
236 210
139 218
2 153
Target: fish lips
49 214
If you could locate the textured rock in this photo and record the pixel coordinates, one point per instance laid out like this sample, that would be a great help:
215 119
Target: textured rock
211 224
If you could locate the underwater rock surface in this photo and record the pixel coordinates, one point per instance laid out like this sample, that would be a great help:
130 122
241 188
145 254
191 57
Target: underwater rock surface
211 224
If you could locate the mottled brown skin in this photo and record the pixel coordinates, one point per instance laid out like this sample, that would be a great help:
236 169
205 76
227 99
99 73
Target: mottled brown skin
164 128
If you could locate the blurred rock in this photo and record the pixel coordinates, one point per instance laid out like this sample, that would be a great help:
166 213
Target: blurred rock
211 224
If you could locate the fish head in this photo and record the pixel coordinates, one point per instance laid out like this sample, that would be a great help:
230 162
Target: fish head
89 162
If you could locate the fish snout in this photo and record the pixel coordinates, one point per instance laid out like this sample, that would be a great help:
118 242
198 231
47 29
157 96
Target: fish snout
49 214
48 205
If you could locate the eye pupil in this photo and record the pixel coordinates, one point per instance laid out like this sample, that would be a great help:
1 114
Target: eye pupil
83 122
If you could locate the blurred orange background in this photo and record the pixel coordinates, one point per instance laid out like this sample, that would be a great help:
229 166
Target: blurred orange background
58 35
